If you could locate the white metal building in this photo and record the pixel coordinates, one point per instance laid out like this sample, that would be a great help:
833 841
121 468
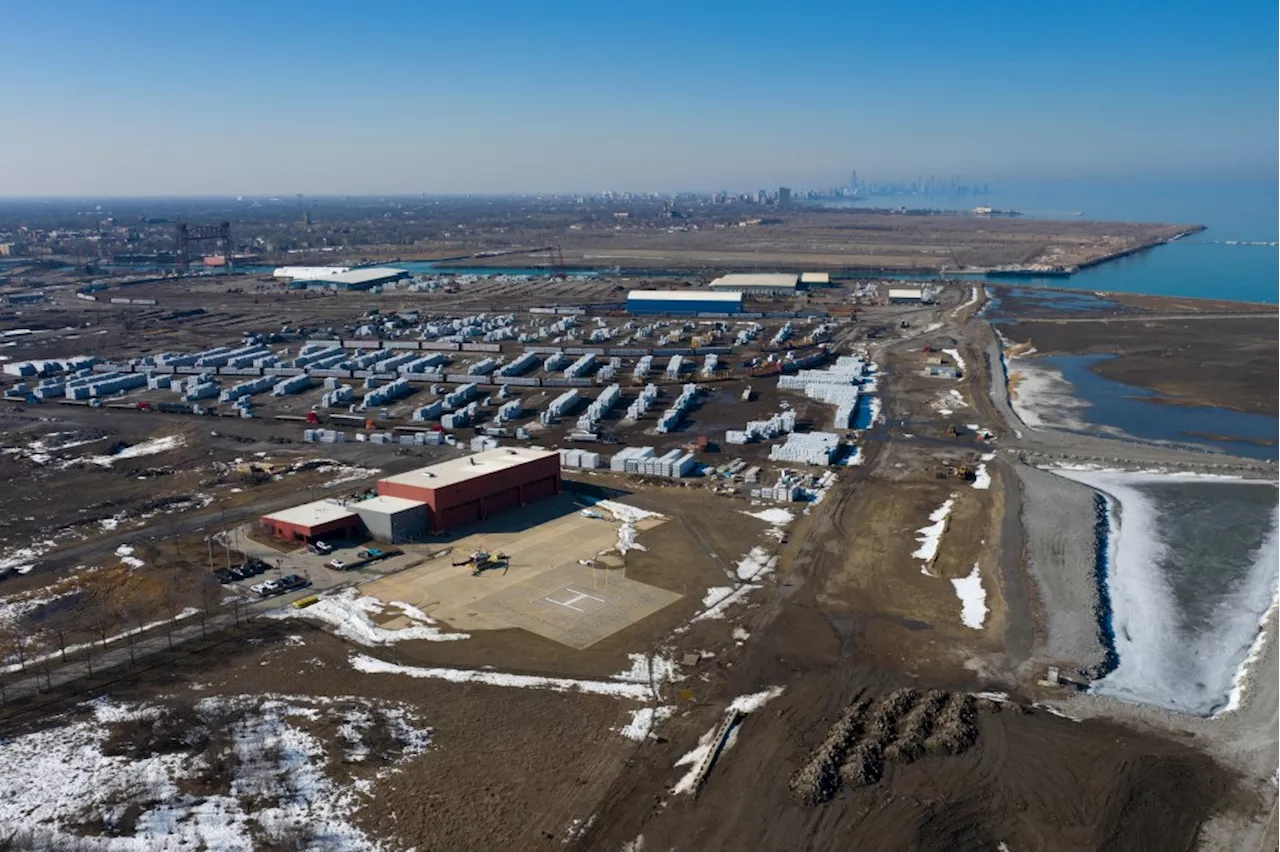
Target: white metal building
815 277
683 302
309 272
758 283
905 295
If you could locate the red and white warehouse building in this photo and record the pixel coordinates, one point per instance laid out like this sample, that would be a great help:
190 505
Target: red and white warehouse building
475 487
455 493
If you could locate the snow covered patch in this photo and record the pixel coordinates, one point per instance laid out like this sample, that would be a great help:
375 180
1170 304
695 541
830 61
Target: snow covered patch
982 479
348 613
125 552
718 599
754 701
774 517
629 516
973 599
269 778
756 565
1041 396
854 458
931 536
741 634
644 720
649 669
635 691
1246 666
146 448
955 356
932 327
744 704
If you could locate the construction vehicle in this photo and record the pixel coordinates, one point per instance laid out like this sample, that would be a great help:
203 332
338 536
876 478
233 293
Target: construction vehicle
959 471
482 560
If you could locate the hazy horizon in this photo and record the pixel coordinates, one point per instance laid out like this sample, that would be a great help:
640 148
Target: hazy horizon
403 99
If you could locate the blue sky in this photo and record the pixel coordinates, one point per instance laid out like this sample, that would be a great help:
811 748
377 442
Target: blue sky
376 97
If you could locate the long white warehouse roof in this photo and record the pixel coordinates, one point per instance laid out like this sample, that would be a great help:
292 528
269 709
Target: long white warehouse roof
776 280
453 471
683 296
906 293
309 271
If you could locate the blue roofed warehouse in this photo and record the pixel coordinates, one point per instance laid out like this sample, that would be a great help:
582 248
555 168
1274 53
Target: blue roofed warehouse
683 302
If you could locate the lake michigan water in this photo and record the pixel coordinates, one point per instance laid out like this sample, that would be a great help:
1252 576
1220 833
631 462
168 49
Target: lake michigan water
1205 265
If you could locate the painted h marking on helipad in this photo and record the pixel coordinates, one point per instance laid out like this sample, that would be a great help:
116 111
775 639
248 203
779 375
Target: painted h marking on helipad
578 597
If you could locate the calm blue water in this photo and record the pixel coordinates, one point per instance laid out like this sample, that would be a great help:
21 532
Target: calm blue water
1200 266
1113 404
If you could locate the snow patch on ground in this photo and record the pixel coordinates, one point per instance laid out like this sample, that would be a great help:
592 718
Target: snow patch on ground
931 536
775 517
982 479
644 720
125 552
741 634
649 669
629 516
756 564
146 448
635 691
955 356
973 599
58 778
348 613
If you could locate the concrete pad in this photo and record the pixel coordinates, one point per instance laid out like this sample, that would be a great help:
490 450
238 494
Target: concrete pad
575 605
542 574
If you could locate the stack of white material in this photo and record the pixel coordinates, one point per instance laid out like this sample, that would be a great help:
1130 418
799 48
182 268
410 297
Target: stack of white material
710 364
632 456
462 395
674 366
464 416
428 412
521 365
642 403
643 367
761 430
510 411
816 448
673 415
580 367
584 459
598 409
558 406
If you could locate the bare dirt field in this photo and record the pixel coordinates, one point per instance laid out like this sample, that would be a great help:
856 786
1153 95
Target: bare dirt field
838 239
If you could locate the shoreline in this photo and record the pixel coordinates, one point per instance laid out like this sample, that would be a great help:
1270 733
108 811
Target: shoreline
1140 602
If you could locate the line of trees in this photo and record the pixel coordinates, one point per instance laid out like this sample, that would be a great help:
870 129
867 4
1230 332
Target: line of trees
98 609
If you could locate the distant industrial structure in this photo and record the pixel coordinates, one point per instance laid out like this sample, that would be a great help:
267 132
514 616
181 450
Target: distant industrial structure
187 236
758 283
345 279
909 296
683 302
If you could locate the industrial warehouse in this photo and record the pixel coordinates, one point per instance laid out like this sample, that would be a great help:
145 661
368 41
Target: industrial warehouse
682 302
430 500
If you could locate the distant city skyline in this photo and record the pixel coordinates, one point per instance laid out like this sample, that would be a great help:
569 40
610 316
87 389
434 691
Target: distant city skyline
147 98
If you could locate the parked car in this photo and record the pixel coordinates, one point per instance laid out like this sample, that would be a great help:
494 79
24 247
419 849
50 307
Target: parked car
289 582
322 547
224 576
264 589
337 564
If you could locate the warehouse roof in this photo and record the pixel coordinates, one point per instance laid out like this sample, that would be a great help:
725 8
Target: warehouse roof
312 514
684 296
309 271
760 280
370 275
470 467
387 505
906 293
815 277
